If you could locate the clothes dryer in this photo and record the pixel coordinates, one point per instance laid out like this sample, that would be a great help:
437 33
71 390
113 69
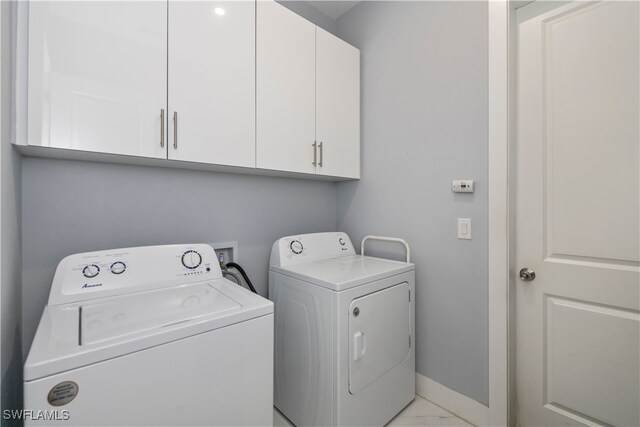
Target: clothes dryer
344 328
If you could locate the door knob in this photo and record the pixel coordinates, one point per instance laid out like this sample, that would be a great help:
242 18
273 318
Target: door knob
527 274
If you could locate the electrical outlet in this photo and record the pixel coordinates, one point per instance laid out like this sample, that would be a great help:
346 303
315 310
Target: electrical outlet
229 251
462 186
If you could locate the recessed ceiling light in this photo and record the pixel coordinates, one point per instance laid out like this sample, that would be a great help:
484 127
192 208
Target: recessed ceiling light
219 11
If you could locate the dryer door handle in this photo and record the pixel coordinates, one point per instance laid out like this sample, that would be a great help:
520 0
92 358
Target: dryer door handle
359 346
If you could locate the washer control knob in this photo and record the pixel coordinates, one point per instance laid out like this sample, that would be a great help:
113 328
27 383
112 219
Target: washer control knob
91 271
191 259
341 241
296 247
118 267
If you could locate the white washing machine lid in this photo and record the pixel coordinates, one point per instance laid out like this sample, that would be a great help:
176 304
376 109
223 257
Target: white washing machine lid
345 272
83 333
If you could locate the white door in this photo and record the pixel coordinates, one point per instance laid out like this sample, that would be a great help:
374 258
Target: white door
285 89
212 82
97 76
578 330
337 106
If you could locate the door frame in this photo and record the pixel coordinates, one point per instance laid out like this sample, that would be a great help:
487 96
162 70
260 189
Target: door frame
502 208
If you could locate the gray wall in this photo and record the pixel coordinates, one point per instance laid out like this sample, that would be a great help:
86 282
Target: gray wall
424 123
71 207
11 356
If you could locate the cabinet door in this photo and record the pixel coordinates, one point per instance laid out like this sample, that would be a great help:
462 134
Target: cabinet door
212 82
97 76
285 89
337 105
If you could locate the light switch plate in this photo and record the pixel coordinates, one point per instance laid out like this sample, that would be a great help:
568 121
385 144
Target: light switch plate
462 186
464 228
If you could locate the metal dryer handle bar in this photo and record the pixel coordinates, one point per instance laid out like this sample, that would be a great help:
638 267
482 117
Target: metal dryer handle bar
387 239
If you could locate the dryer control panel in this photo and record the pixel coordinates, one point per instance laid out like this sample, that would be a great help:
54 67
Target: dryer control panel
303 248
99 274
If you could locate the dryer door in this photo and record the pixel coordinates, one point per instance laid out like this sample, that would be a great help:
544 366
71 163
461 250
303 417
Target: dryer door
379 331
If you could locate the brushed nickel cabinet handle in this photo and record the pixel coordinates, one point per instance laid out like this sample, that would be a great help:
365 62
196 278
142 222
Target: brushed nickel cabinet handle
315 153
175 130
321 155
162 128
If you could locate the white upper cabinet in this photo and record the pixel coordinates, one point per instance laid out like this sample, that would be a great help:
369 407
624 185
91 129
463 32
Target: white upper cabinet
212 82
337 106
308 96
244 84
97 76
285 89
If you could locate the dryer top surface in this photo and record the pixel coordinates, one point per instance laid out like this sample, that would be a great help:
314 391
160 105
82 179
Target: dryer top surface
345 272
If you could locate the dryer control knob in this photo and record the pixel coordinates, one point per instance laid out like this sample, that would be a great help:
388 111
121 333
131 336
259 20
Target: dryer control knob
191 259
296 247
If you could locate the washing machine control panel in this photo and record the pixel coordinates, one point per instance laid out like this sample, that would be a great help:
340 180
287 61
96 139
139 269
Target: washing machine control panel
99 274
302 248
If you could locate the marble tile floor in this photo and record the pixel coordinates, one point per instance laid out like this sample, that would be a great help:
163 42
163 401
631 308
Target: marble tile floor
419 413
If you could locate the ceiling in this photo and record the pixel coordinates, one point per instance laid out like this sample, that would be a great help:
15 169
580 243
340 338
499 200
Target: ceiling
333 9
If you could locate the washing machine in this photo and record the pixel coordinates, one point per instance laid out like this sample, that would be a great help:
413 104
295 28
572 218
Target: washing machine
150 336
344 328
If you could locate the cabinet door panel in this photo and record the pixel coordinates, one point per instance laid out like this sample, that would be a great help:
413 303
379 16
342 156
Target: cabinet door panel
97 76
212 81
285 89
338 105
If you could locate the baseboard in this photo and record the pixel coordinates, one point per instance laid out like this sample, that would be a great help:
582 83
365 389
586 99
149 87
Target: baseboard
462 406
